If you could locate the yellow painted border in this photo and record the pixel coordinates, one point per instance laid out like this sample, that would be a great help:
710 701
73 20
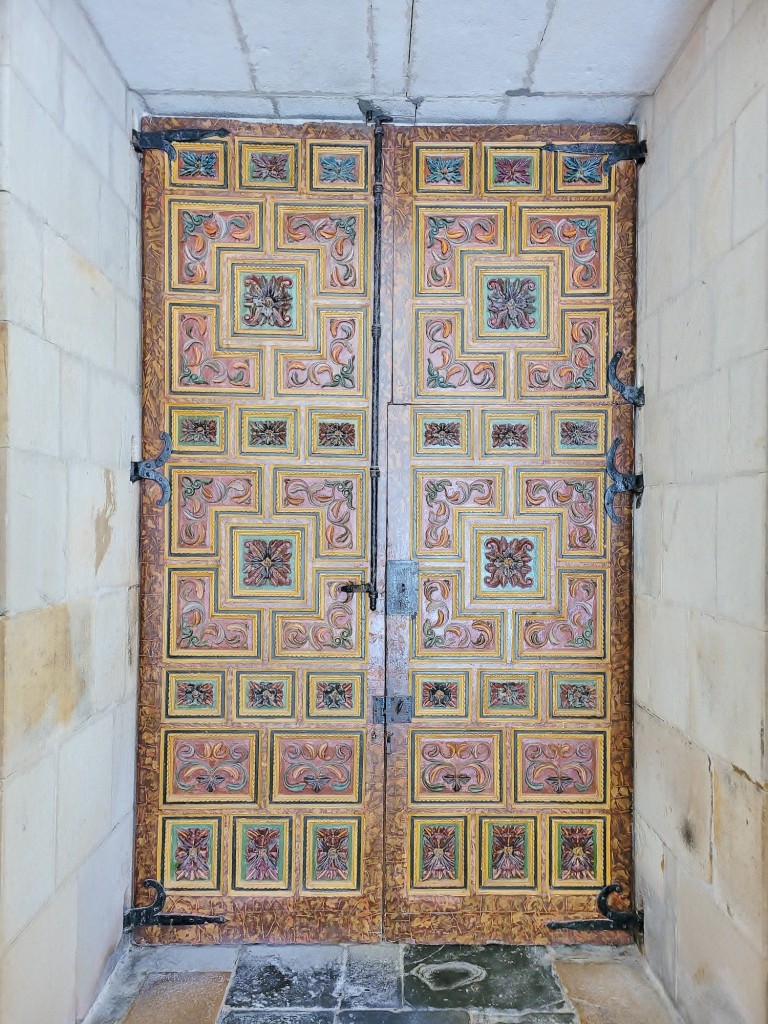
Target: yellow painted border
421 710
281 884
487 710
417 825
601 766
168 738
530 879
269 147
165 853
352 737
244 677
356 826
602 858
174 178
495 737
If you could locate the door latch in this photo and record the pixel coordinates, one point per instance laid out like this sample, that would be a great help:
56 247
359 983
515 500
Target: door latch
402 587
387 710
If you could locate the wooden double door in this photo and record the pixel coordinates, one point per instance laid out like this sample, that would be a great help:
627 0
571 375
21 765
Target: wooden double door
495 795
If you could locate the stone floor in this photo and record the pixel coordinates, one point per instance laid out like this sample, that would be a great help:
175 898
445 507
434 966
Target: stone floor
384 984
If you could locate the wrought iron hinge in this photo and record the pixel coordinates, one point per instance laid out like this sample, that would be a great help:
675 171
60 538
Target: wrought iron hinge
147 470
164 140
614 920
151 914
623 483
361 588
629 392
614 152
392 709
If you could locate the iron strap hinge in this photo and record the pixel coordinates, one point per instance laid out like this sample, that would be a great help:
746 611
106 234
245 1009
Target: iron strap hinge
629 392
392 709
614 152
612 919
164 140
152 914
147 469
621 483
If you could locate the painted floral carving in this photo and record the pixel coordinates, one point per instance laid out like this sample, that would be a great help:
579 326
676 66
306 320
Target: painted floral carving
563 766
321 766
511 303
337 501
338 169
443 170
438 853
198 629
269 167
508 693
508 562
580 237
577 696
440 693
334 632
582 170
199 367
194 693
203 766
439 630
198 497
200 232
262 854
512 170
446 236
337 370
507 852
575 630
337 237
332 853
334 695
442 435
577 498
265 694
197 164
577 852
442 500
577 370
444 369
192 854
510 435
335 434
268 433
267 563
268 300
578 433
456 766
199 431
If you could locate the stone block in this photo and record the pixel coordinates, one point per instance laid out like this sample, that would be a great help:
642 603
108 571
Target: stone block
37 971
689 516
21 258
748 412
740 854
720 975
686 330
29 830
741 66
655 888
84 808
46 684
702 417
35 53
124 167
711 198
642 649
75 427
681 78
113 231
741 549
33 396
35 532
728 690
667 233
102 885
78 302
718 22
692 127
87 121
648 541
110 649
739 290
750 167
115 407
30 129
673 790
669 664
128 338
124 760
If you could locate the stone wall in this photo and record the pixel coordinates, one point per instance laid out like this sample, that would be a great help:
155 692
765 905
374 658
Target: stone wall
69 330
700 681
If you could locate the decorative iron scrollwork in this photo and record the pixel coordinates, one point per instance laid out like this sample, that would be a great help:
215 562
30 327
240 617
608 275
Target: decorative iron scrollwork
629 392
623 483
147 469
612 919
614 152
164 140
151 914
